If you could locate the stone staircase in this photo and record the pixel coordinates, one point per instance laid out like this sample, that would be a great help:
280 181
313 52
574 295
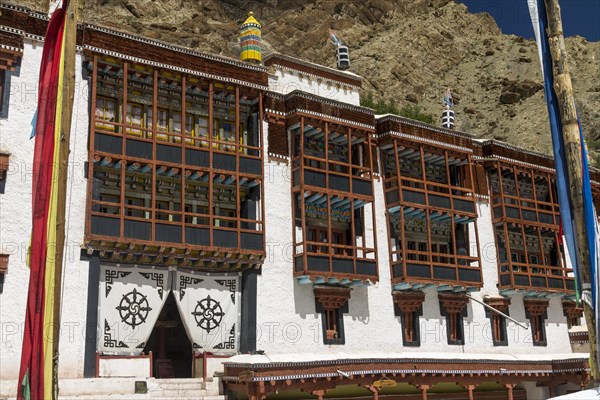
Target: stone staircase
124 389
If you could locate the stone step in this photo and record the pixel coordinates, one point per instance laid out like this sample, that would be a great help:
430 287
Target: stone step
178 392
173 385
123 388
191 385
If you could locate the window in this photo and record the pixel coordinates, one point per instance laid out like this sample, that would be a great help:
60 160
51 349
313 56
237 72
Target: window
4 160
332 332
227 134
190 128
497 321
339 238
498 329
162 122
538 332
5 76
135 118
409 307
423 249
573 313
332 302
411 247
106 111
225 212
453 307
317 235
535 311
573 320
3 269
2 77
202 127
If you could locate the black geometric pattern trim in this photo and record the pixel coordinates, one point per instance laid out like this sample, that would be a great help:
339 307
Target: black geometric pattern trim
229 283
109 341
110 277
141 345
196 346
229 344
184 281
157 277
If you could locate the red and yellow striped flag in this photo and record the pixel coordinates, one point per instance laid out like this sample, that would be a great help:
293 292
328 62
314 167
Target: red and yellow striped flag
39 341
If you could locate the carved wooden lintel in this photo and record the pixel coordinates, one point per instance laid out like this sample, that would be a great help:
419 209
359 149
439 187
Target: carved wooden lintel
453 303
499 303
408 301
3 263
571 310
536 306
332 297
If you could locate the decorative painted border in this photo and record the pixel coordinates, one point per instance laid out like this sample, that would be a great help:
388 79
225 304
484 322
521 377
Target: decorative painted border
397 361
494 142
425 140
29 11
175 48
407 372
172 67
513 161
323 100
423 125
325 116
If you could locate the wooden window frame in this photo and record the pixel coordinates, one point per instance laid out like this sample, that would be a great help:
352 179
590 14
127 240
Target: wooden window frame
403 193
332 302
536 313
573 313
454 308
4 166
498 324
5 92
139 153
2 87
3 269
511 210
101 122
362 256
409 307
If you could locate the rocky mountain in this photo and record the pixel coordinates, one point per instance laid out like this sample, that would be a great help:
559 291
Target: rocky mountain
408 51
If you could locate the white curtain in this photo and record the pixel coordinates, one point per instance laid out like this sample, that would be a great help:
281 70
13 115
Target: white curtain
210 309
130 302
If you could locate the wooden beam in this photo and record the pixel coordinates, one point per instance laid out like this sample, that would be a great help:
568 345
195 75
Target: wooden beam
572 149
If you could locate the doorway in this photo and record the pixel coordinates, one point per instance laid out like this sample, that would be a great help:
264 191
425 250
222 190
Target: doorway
170 346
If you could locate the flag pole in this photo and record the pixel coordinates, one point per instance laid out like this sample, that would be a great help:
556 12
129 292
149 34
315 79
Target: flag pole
68 96
573 153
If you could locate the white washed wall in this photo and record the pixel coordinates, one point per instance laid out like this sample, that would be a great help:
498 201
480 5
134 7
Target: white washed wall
15 221
286 80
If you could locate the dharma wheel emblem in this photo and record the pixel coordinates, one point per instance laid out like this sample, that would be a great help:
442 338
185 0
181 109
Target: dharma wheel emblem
134 308
208 314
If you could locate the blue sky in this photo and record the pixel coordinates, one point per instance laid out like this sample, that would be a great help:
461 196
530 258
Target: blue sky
580 17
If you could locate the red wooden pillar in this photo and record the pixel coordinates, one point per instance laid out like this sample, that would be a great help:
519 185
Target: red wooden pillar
471 388
424 389
509 389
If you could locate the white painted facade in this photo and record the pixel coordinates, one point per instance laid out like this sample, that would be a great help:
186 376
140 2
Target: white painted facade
285 80
15 219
